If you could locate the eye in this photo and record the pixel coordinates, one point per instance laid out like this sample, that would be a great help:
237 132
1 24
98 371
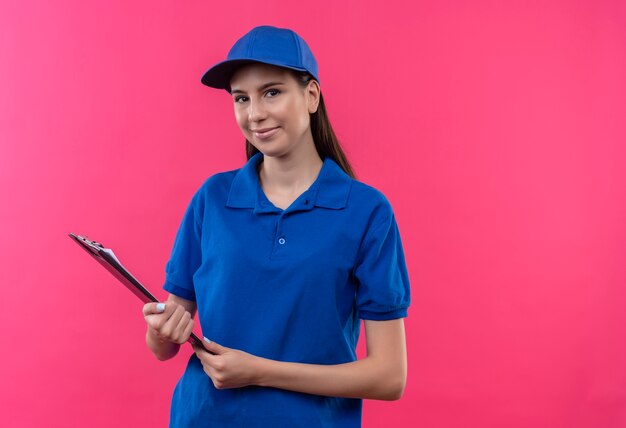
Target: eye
240 99
272 92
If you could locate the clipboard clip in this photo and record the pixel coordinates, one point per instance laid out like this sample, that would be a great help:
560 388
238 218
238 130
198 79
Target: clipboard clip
87 242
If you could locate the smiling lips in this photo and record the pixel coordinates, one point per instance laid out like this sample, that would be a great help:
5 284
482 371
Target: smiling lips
265 133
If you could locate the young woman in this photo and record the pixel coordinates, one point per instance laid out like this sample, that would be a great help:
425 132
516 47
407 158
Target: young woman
282 258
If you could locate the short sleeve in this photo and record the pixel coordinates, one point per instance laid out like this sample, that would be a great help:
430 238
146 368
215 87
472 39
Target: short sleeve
383 291
186 255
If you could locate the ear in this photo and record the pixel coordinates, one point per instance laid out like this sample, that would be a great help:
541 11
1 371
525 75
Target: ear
313 95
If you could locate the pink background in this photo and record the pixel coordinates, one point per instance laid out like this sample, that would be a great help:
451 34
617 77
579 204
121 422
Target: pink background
497 131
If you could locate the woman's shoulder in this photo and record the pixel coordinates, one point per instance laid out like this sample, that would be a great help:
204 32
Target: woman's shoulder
219 179
216 185
363 194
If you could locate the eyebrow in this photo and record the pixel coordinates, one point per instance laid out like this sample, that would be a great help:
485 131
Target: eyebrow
261 88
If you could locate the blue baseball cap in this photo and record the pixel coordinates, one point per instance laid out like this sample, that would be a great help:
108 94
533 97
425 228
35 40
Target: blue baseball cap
268 45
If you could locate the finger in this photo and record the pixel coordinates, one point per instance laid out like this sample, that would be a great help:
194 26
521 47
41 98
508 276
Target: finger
154 308
208 357
179 331
188 330
215 362
200 348
210 371
157 320
210 363
171 324
214 347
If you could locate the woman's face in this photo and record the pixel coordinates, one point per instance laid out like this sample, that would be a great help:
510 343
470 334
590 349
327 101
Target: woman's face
272 108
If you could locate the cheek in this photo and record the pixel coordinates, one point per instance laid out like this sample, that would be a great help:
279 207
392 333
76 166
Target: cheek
304 120
240 118
299 115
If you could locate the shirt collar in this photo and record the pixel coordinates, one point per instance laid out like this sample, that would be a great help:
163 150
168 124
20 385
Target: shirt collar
329 190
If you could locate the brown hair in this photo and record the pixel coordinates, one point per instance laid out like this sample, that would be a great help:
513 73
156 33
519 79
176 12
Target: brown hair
326 142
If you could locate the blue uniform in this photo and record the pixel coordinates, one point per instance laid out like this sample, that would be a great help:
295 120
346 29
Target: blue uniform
289 285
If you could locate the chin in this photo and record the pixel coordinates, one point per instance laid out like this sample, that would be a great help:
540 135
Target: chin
273 153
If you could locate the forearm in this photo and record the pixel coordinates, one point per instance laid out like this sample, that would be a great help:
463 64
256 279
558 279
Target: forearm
365 378
380 376
161 348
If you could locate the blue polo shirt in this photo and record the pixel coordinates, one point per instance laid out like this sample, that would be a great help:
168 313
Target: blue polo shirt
289 285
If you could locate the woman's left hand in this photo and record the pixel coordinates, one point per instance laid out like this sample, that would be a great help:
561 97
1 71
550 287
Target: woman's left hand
227 368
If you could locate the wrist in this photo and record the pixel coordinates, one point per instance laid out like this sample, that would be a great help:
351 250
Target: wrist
161 347
262 372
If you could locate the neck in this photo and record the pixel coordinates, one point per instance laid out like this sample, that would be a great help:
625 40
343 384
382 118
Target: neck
293 173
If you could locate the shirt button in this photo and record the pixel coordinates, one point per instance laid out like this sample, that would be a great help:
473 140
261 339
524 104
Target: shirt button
281 241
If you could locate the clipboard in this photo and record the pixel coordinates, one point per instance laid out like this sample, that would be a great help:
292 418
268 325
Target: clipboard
109 261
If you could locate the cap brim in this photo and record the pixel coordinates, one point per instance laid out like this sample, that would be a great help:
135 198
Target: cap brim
219 75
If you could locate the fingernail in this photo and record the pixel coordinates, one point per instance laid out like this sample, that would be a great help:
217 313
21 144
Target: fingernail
207 340
160 307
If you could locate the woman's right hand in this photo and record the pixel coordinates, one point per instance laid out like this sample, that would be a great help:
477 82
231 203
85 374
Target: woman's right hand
168 321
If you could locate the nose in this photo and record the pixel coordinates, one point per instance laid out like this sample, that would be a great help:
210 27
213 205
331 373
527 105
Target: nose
256 111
